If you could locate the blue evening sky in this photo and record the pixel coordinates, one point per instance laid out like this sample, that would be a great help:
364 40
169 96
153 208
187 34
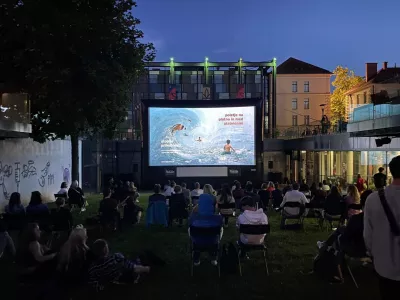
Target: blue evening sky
326 33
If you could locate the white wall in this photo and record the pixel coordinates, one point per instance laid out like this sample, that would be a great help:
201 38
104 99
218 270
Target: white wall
27 166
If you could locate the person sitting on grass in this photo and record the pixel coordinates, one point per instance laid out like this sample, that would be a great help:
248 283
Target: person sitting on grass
7 246
36 205
35 259
76 196
251 216
111 268
75 257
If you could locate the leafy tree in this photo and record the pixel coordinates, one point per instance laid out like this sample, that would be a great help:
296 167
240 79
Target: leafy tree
344 81
77 61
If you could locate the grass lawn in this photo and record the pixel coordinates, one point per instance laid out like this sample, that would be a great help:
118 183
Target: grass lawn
290 254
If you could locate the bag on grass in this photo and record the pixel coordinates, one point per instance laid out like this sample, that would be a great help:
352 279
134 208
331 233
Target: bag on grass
229 259
326 263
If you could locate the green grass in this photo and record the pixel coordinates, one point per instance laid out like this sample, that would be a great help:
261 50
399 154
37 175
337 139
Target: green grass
290 256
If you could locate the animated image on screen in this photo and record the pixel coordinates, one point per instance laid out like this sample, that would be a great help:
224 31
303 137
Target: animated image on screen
201 136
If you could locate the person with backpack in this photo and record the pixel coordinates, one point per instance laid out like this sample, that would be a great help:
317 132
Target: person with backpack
382 232
251 216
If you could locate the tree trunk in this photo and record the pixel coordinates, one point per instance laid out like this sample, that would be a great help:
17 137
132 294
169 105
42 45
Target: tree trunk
75 157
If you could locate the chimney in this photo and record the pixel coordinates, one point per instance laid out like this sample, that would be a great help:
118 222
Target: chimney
384 65
370 71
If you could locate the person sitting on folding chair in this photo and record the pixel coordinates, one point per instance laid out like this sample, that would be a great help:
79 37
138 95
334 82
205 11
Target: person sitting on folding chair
251 216
224 200
292 196
204 217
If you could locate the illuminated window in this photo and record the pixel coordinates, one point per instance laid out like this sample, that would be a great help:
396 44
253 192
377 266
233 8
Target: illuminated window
294 103
294 86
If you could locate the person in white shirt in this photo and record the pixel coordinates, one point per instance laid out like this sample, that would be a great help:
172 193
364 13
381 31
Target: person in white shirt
325 186
251 216
381 243
197 190
169 189
292 196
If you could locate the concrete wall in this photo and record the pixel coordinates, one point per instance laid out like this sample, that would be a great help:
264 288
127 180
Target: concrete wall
27 166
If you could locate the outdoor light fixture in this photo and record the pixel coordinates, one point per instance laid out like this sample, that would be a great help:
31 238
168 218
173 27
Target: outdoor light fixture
383 141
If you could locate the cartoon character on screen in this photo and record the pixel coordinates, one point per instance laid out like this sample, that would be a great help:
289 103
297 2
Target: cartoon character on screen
177 127
228 149
199 139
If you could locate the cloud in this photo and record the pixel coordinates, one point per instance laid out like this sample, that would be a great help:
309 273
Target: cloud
221 50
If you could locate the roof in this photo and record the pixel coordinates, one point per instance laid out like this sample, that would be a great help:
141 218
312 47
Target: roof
295 66
384 76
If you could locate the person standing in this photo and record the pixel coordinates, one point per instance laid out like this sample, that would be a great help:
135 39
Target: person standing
380 179
382 232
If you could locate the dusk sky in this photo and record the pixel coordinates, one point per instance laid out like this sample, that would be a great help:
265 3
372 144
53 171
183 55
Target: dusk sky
322 32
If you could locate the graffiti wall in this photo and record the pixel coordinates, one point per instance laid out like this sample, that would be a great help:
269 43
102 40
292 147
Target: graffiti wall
27 166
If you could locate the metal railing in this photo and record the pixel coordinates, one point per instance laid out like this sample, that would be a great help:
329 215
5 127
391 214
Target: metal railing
301 131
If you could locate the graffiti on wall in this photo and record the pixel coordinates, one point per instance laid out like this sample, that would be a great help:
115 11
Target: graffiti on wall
66 174
23 172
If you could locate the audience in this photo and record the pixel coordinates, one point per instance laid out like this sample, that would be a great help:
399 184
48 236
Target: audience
36 205
109 268
132 212
14 206
169 188
6 242
333 204
35 259
157 196
207 197
76 196
177 206
63 189
204 216
185 192
108 209
251 216
353 197
277 196
197 190
249 191
380 179
292 196
225 197
75 257
325 186
238 194
265 194
61 216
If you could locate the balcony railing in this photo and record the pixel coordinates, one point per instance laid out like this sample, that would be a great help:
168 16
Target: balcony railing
371 111
301 131
14 108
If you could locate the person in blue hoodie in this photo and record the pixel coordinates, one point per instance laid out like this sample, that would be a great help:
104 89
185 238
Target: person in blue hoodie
204 216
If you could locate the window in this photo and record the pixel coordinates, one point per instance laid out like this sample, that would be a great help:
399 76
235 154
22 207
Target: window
294 103
294 120
358 99
306 120
294 86
306 86
365 97
306 103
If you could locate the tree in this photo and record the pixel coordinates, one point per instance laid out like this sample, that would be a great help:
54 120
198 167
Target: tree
344 81
77 61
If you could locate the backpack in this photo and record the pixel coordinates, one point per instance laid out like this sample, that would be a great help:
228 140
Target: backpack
325 264
229 259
